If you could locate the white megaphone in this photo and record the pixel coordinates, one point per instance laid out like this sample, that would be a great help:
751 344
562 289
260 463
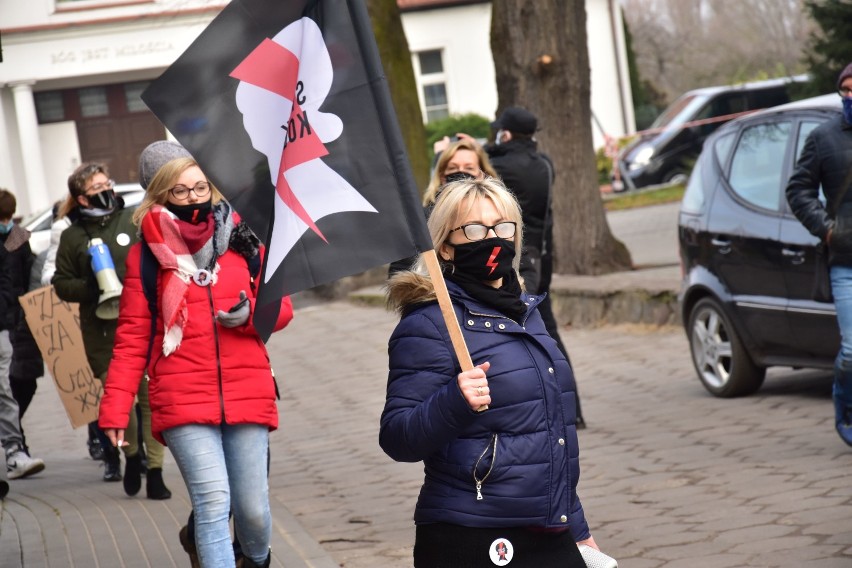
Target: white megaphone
108 282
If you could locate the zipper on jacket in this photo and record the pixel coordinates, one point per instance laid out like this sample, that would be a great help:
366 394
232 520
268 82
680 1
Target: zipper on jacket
218 354
492 445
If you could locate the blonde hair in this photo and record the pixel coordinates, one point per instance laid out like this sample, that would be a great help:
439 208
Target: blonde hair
455 202
66 207
435 183
164 180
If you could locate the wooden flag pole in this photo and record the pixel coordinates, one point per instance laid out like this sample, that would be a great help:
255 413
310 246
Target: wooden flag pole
430 257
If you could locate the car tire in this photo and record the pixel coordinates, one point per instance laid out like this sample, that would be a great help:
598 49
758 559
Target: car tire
718 354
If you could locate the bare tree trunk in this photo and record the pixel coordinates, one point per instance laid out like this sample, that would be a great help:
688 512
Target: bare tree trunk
396 61
542 64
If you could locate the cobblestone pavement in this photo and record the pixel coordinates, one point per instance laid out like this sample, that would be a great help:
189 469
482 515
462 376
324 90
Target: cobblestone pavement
671 476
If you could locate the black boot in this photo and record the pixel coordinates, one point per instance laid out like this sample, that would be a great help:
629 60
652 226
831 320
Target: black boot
112 464
154 485
96 451
133 475
187 541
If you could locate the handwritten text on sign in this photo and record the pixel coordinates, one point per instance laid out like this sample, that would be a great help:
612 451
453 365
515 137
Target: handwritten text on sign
55 325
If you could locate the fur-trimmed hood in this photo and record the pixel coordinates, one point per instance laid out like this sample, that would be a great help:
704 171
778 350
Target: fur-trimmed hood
406 289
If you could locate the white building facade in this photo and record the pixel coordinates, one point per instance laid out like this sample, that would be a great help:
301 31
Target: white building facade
72 72
451 51
70 81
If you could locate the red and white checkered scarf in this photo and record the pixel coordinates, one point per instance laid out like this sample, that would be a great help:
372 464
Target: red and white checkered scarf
160 230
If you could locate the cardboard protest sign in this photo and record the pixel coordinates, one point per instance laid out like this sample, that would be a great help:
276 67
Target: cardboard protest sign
55 325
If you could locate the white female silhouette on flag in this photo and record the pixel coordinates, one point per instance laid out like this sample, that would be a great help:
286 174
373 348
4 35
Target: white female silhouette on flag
283 83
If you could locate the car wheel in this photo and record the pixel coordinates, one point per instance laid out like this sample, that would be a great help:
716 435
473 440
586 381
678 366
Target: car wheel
719 356
676 177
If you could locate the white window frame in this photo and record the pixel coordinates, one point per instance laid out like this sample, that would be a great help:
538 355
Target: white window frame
428 79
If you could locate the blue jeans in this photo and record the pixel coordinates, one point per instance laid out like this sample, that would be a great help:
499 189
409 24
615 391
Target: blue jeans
224 468
841 289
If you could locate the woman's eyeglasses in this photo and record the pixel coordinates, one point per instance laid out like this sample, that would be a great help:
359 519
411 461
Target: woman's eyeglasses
478 231
845 92
200 189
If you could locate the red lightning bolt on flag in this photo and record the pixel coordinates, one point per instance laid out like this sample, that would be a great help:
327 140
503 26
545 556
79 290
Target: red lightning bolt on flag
491 260
274 68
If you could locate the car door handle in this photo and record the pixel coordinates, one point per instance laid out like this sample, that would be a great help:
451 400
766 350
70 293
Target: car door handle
723 245
795 256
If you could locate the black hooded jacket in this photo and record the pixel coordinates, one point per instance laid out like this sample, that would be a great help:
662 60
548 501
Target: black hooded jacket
527 174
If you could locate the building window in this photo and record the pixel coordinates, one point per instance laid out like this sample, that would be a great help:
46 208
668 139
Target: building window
435 98
133 96
430 62
49 107
93 102
429 68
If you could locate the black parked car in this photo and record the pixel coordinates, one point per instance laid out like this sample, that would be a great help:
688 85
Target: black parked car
666 151
747 261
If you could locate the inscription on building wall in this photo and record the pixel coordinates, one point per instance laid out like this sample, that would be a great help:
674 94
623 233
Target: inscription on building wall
103 53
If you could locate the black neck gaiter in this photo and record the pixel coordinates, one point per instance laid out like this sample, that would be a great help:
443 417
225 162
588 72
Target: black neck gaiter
506 299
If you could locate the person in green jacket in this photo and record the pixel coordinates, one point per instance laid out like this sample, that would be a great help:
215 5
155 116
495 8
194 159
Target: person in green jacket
101 215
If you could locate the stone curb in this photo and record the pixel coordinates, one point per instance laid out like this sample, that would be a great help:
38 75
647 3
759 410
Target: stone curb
644 296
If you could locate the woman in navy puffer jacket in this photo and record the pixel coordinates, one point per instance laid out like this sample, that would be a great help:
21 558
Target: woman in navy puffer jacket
500 482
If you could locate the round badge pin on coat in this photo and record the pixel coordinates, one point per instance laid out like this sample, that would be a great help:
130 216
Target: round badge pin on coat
501 552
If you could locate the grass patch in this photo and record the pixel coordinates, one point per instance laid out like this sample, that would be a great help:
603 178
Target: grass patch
643 198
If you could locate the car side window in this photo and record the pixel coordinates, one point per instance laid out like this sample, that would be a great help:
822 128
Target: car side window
769 98
756 173
720 106
722 148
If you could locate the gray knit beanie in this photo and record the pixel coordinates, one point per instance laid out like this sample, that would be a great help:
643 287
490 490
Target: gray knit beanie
844 75
155 156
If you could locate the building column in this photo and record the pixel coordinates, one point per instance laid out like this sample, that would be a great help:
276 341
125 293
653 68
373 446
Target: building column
35 194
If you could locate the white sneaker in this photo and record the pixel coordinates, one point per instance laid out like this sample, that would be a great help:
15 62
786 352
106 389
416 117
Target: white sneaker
19 464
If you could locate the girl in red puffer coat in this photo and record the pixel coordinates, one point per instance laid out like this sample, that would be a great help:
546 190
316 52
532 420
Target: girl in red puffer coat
211 387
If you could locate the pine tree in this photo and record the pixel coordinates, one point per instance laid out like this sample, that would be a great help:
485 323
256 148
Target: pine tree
831 48
648 101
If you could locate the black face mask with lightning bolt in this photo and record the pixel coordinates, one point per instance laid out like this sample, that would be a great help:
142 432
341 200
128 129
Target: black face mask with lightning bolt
486 260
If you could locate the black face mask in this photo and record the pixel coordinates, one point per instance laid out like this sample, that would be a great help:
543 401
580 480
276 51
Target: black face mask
458 176
485 260
193 212
105 200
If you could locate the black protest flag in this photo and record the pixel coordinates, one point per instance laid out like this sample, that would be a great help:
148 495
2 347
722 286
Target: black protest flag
285 106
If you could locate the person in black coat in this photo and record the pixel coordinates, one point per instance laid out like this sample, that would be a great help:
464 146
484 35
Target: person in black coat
826 162
15 263
27 363
529 175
